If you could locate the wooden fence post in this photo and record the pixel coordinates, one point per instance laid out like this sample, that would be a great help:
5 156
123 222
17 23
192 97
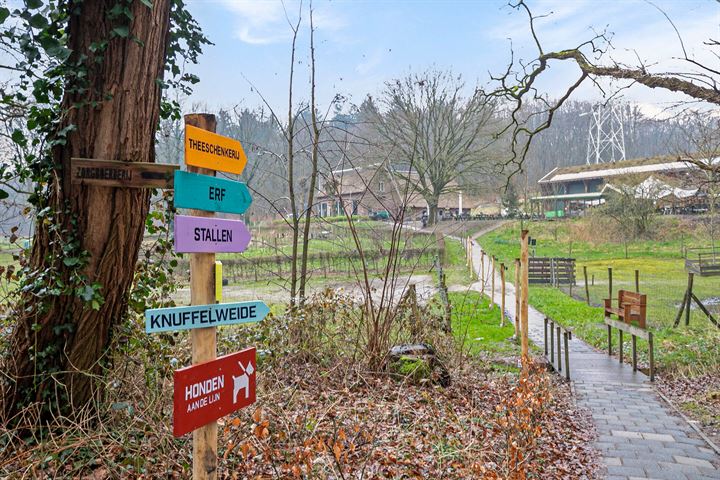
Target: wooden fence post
492 284
637 281
517 298
610 283
482 272
524 260
502 295
203 340
587 289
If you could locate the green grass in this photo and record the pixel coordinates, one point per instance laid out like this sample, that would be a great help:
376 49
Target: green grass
662 278
476 327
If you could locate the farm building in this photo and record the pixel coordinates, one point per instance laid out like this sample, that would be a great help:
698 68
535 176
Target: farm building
676 185
372 189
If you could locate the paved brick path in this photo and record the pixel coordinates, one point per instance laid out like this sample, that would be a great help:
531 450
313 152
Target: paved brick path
639 436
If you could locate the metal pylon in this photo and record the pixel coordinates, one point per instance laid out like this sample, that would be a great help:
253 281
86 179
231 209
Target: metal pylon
606 138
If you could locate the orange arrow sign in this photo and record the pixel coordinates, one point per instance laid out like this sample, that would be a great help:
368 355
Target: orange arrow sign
209 150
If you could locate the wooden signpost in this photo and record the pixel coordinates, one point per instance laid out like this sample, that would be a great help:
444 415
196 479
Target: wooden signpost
203 316
208 391
212 387
206 149
210 235
211 194
114 173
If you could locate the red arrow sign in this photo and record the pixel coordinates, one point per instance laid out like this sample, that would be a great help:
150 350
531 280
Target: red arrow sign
210 390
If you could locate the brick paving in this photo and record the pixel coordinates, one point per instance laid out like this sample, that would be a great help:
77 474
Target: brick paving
639 436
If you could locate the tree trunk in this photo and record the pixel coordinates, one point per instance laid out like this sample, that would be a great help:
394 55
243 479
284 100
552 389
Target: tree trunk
59 343
432 215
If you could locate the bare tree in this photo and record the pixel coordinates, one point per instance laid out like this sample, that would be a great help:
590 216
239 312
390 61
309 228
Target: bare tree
518 83
702 134
425 120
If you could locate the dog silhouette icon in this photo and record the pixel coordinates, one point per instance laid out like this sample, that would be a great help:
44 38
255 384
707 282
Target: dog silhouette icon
242 382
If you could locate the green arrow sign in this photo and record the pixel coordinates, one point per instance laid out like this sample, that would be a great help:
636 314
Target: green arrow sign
212 194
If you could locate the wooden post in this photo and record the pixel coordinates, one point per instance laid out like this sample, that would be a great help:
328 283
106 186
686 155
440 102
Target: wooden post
524 298
651 356
559 348
203 340
545 321
620 345
592 280
634 353
691 276
567 354
517 298
609 340
502 294
610 283
552 341
492 284
587 289
637 281
482 272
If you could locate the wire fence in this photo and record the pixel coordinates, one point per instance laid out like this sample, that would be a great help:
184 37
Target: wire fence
664 281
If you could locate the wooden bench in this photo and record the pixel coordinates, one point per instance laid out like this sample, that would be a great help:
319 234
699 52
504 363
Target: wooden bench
632 307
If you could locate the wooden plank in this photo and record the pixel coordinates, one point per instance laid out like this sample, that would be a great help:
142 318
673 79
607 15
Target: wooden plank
114 173
631 329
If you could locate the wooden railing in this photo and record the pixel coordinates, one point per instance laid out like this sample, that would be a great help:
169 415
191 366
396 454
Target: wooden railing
562 336
703 261
635 332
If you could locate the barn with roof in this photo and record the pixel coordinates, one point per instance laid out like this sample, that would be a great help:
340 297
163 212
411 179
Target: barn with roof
676 184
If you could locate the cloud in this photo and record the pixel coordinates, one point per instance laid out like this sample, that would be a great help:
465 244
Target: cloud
262 22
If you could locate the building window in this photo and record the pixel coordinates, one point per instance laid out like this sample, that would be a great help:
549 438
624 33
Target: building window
381 187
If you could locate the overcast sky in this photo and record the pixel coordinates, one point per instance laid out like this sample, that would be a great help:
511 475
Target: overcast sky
363 43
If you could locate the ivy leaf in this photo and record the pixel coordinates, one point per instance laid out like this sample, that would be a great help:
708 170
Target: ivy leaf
147 3
32 4
122 31
3 194
71 261
87 293
4 14
38 21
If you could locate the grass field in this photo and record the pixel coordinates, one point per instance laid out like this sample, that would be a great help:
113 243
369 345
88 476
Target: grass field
662 278
476 327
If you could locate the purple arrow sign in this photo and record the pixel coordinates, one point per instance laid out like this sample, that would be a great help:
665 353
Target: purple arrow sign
210 235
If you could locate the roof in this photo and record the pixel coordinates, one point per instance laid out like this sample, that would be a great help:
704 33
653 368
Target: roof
571 196
627 167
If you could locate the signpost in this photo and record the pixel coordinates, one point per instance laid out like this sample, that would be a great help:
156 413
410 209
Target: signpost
203 234
113 173
203 316
212 387
210 390
212 194
207 149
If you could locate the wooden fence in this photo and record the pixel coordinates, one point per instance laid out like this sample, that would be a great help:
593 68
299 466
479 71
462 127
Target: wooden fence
551 271
323 263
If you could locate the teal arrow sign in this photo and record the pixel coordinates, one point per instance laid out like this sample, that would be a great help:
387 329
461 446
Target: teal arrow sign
202 316
212 194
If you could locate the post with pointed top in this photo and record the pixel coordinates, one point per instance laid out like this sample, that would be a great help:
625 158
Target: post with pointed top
524 260
202 292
